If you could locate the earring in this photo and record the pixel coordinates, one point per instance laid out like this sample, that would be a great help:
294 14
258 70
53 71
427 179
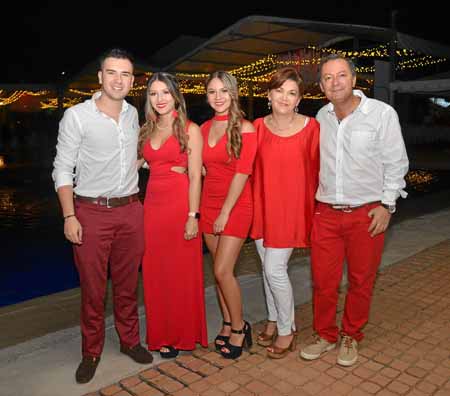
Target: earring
296 109
269 104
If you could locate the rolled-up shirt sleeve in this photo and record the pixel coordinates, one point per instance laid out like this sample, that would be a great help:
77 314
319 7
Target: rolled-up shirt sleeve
67 149
394 158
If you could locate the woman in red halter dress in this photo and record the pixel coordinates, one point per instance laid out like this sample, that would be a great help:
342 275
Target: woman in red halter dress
229 150
172 266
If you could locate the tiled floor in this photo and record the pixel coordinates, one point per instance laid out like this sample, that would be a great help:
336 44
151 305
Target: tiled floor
406 350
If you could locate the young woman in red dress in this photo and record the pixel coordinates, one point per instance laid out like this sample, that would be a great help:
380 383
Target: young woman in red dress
284 183
172 266
226 206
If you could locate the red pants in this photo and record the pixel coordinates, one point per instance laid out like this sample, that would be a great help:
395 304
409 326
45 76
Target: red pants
114 236
336 236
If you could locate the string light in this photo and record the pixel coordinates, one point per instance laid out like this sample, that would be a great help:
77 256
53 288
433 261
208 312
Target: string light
253 76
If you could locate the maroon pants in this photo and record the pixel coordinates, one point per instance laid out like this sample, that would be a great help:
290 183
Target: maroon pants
336 236
113 236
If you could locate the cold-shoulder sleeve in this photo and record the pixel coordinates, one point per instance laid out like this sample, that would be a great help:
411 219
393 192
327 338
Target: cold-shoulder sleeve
244 164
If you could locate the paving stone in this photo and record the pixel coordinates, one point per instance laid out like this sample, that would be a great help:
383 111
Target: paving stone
369 387
228 386
190 378
110 390
398 387
130 381
405 351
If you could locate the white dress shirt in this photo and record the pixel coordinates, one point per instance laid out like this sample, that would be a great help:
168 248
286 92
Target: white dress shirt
363 158
96 153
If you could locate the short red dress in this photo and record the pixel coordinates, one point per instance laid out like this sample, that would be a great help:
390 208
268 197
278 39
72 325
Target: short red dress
220 170
172 266
285 180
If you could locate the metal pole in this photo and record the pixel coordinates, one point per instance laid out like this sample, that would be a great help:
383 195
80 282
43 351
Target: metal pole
393 53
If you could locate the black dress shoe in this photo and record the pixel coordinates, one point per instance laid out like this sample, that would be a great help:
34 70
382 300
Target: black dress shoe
86 370
138 353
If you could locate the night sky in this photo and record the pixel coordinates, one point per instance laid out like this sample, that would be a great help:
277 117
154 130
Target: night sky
63 36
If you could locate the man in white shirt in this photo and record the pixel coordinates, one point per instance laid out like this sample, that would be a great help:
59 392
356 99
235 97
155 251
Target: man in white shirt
363 163
103 216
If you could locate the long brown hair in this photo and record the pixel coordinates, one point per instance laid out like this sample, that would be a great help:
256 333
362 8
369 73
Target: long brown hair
235 114
151 116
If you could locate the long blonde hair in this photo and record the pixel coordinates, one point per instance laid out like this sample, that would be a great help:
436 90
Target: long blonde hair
151 116
235 114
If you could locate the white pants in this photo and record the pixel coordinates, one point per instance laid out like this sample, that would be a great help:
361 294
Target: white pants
277 286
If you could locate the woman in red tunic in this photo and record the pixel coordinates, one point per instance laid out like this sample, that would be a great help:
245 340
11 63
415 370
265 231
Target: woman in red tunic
172 265
284 183
226 206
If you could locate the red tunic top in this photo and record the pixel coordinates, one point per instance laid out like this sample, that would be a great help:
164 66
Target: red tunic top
285 181
220 170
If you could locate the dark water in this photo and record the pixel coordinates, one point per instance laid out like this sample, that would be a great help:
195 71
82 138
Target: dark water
36 260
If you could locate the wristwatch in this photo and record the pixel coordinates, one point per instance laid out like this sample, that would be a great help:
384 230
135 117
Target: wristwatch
195 215
391 208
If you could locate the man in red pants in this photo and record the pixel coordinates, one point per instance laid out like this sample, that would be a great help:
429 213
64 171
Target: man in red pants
363 162
103 216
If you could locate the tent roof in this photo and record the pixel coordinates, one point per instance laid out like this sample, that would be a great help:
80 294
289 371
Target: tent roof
253 37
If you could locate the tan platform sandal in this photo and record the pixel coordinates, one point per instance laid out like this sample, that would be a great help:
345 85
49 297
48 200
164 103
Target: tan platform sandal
275 352
265 339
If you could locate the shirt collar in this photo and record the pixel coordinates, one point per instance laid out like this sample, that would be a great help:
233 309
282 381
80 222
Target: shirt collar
363 106
97 95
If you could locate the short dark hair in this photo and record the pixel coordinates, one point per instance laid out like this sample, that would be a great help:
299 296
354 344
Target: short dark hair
335 56
118 53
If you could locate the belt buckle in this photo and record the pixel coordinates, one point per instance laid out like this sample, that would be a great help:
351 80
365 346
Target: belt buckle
343 208
107 203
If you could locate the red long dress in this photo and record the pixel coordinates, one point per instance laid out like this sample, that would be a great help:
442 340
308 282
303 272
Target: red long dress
172 267
285 181
220 170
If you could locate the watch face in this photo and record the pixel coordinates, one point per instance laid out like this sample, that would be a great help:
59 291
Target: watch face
195 215
390 208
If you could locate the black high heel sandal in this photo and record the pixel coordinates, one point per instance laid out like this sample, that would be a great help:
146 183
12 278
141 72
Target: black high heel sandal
234 350
223 338
171 353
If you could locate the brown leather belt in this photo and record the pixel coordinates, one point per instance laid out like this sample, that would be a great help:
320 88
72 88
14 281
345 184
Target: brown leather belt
109 202
348 208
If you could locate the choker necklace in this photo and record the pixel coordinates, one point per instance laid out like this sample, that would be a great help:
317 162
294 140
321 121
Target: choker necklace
220 117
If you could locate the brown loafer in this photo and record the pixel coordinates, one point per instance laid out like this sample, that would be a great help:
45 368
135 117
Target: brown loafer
138 353
86 370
